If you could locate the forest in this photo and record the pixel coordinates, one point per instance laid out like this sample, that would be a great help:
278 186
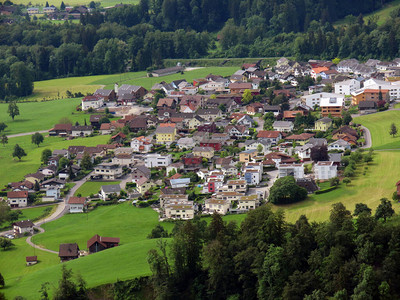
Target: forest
354 255
138 37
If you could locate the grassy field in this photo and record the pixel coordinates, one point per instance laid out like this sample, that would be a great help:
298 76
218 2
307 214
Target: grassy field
378 182
41 115
382 14
379 125
92 187
14 170
56 88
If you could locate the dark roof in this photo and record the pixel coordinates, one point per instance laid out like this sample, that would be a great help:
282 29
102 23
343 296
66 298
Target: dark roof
24 224
112 188
367 104
167 70
208 111
102 240
82 128
308 184
68 250
31 258
95 118
173 191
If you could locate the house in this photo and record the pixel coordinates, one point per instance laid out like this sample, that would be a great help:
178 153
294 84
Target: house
307 183
339 145
49 170
107 95
53 182
240 87
31 260
336 158
192 162
275 109
143 185
185 143
99 243
62 153
165 133
61 130
217 206
32 10
283 126
236 131
300 139
141 144
166 102
77 204
248 155
295 170
206 152
252 173
207 127
323 124
140 172
315 99
325 170
68 252
53 193
63 174
370 94
179 182
255 108
265 144
179 210
367 105
107 190
157 160
246 203
246 121
23 227
123 159
347 87
239 186
332 107
212 185
109 171
303 152
81 130
273 136
209 114
17 198
93 102
22 186
129 93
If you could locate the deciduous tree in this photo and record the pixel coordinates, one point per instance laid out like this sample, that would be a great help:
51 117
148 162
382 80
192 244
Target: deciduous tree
13 110
37 139
18 152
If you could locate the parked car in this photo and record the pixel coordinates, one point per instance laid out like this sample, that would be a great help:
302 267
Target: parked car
9 236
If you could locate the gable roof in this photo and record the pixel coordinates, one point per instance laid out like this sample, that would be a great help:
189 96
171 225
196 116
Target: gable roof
102 240
17 194
77 200
68 250
24 224
271 134
112 188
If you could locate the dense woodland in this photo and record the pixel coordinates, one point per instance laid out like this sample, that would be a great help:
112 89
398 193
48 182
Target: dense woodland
137 37
351 256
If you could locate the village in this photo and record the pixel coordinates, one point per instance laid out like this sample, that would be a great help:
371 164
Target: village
214 145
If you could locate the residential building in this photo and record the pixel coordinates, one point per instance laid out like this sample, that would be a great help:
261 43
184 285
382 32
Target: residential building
236 131
99 243
369 94
273 136
246 203
107 190
239 186
347 87
17 199
141 144
263 144
165 133
209 114
157 160
325 170
68 252
300 139
94 102
52 194
283 126
77 204
179 182
79 131
248 155
206 152
339 145
332 107
22 227
186 143
315 99
217 206
323 124
179 210
295 170
109 171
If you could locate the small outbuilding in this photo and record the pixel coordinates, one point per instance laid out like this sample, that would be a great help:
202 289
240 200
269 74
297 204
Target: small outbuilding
31 260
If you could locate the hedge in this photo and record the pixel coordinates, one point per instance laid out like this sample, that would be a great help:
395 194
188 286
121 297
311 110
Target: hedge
325 190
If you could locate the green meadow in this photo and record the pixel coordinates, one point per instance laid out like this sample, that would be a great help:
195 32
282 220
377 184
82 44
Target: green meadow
57 3
14 170
57 88
379 126
92 187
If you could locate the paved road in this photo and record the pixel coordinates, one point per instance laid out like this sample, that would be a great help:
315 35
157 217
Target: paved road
367 137
26 133
29 241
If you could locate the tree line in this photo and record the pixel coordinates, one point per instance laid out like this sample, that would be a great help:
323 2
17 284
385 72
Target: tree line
351 256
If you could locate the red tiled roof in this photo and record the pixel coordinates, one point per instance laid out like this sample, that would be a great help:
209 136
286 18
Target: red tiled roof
31 258
268 134
15 194
77 200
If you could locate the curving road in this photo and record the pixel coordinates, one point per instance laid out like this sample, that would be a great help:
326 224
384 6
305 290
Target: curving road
367 138
26 133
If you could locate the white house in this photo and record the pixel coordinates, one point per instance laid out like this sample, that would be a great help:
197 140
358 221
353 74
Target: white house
247 203
180 182
253 145
81 130
157 160
141 144
315 99
77 204
17 198
340 145
283 126
179 210
186 142
107 190
304 152
92 102
21 227
217 205
295 170
346 87
252 173
108 171
325 170
52 194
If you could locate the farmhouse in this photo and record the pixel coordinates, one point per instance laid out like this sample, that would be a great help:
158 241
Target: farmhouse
17 199
68 252
94 102
99 243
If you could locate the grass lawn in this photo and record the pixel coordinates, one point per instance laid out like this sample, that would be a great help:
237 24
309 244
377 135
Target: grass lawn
379 126
57 3
28 214
383 14
378 182
14 170
57 88
92 187
41 115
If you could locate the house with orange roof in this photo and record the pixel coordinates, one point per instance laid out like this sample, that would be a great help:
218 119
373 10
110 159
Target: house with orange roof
315 72
141 144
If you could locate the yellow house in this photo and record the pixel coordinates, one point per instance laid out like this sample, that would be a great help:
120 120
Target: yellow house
195 122
207 152
165 133
323 124
247 156
142 185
